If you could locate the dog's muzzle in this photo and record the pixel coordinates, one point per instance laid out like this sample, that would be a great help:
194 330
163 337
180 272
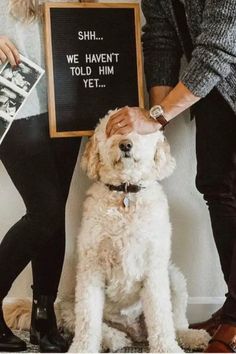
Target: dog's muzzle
125 146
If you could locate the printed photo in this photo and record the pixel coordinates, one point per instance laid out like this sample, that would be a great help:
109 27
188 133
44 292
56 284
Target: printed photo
24 76
10 101
16 85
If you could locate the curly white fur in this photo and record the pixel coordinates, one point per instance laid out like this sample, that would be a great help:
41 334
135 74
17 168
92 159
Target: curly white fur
124 268
124 253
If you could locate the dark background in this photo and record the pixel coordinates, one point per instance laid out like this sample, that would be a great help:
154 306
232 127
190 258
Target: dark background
78 108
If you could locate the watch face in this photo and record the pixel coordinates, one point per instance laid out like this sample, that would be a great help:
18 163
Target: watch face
156 111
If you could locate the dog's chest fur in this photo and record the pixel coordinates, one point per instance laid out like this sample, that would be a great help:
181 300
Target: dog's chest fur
121 250
118 240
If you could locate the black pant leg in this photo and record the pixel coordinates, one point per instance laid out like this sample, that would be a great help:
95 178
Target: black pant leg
216 180
47 265
29 159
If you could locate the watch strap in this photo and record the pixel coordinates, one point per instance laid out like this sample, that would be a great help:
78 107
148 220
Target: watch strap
161 119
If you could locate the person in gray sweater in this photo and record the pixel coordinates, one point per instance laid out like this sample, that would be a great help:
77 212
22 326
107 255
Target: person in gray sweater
205 31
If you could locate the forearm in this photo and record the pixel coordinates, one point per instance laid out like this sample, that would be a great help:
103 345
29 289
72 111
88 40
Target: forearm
158 93
173 100
177 100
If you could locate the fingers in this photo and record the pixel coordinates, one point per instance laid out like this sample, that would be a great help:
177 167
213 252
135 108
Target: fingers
116 128
14 51
120 113
3 57
129 119
10 56
8 52
123 131
118 120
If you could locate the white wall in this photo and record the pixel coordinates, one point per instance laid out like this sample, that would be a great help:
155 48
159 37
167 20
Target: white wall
193 247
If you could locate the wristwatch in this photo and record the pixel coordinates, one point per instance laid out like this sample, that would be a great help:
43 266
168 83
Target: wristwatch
157 113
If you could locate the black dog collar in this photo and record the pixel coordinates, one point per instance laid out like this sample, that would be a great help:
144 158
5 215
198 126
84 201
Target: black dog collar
125 187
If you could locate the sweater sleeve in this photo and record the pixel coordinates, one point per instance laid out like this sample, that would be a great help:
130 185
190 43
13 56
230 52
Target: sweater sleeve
215 48
161 47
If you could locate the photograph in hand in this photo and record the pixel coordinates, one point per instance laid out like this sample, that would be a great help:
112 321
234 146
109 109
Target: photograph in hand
16 84
23 76
10 101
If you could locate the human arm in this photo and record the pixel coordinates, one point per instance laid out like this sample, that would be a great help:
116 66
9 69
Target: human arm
212 57
162 53
128 119
214 53
173 101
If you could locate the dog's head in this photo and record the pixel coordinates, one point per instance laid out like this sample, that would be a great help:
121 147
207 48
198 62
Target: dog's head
133 158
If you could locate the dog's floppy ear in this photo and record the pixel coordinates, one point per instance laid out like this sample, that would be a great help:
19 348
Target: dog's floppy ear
90 159
165 163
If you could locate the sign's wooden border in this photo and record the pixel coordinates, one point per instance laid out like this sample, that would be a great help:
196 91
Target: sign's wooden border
49 59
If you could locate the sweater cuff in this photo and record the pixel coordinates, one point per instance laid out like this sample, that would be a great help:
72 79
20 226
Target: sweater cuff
160 72
199 77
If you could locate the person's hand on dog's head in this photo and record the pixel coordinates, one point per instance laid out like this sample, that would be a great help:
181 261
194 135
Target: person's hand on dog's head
129 119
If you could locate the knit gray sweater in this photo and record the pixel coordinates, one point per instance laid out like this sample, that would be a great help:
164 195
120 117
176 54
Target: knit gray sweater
212 25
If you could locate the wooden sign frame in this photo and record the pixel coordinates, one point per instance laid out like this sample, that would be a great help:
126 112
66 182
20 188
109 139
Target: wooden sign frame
50 67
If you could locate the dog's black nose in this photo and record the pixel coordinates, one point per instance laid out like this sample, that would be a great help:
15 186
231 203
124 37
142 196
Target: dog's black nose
125 145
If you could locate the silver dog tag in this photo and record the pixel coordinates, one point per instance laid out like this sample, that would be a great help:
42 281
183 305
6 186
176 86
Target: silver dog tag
126 202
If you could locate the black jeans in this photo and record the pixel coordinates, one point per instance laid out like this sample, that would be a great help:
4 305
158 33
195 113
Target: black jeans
216 180
41 169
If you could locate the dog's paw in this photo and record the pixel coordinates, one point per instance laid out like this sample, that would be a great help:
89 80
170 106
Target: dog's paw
193 339
116 340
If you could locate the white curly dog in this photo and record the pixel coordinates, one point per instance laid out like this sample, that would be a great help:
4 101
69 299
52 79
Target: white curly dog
124 248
